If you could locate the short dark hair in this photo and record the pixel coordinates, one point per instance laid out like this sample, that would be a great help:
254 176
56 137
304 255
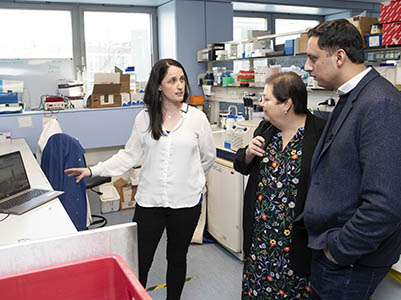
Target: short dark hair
153 98
339 34
289 85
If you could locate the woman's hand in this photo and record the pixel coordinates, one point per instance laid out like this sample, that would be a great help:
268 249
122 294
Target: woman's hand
255 148
78 172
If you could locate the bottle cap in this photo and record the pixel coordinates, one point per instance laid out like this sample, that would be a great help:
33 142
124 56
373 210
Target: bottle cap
130 69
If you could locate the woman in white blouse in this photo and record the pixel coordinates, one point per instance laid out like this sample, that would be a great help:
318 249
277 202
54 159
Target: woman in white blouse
176 144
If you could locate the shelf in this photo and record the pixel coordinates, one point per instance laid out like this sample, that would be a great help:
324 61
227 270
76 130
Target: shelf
384 48
274 54
309 89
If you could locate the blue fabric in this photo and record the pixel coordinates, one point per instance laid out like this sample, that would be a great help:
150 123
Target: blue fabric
353 206
62 152
331 281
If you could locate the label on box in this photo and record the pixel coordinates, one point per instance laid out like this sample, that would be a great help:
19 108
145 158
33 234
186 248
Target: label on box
127 193
374 41
127 205
390 11
107 100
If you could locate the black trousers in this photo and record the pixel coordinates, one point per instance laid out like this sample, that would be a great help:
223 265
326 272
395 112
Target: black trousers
180 225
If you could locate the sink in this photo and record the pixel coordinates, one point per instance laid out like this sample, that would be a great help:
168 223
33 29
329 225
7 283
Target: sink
216 128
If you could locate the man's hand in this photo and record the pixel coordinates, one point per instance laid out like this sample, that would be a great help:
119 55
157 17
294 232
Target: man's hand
328 256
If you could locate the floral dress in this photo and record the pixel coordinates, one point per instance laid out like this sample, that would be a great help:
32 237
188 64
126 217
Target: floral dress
268 273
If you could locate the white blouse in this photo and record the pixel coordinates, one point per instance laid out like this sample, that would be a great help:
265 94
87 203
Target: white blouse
174 168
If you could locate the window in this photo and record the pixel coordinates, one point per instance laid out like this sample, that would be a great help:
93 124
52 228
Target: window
29 34
118 39
243 24
44 43
240 32
292 25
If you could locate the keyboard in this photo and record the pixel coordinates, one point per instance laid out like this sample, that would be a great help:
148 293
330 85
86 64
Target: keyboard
22 198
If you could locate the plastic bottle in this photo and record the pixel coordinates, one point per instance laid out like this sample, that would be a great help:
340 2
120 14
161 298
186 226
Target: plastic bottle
132 81
230 122
240 117
230 125
228 138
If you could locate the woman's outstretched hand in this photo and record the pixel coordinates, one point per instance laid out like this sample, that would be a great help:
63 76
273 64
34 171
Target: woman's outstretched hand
78 172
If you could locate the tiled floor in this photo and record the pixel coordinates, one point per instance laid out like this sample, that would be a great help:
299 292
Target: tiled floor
215 273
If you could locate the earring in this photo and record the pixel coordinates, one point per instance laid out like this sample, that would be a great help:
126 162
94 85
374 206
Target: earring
285 112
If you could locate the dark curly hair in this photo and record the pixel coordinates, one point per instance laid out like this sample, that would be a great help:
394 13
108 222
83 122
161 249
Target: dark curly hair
339 34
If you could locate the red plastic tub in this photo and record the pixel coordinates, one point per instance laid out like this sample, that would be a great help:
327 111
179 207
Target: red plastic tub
100 277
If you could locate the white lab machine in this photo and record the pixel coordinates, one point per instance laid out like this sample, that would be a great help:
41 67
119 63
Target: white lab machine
224 205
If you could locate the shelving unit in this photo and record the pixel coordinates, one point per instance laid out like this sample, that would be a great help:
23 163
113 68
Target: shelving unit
373 56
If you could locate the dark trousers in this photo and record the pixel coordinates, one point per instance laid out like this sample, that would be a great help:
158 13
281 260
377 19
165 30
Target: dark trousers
180 225
334 282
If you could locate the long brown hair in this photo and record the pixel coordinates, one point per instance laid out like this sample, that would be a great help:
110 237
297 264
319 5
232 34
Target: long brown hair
153 98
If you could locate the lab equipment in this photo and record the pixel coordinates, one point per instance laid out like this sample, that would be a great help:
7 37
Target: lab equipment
224 205
132 80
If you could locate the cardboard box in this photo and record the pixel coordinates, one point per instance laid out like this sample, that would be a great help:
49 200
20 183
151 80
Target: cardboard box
303 42
125 190
253 34
363 24
391 34
390 11
106 78
106 91
105 95
124 81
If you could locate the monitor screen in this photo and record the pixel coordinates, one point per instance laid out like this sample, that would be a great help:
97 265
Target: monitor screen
13 178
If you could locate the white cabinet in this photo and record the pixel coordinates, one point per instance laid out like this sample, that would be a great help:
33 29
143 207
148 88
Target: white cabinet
224 205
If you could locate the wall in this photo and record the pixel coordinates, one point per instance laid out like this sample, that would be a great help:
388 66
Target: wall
190 38
103 127
167 30
187 26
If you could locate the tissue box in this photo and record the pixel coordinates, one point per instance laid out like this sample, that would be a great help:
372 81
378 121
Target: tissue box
109 200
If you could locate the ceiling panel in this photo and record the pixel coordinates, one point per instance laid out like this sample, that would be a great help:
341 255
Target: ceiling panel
285 9
115 2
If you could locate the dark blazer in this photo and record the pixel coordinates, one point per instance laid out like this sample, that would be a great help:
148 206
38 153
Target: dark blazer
353 206
300 255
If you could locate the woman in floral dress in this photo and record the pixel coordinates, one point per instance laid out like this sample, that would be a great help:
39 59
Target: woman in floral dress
277 260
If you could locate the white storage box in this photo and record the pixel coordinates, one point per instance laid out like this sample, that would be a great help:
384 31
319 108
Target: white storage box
109 200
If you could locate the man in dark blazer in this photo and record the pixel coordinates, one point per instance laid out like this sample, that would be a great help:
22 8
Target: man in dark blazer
353 207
